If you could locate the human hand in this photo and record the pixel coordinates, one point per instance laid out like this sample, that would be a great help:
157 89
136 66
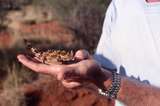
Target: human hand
71 75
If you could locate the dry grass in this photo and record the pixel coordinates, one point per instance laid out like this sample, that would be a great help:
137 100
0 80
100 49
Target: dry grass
11 96
16 76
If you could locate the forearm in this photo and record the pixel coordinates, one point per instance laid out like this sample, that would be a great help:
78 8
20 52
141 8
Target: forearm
133 92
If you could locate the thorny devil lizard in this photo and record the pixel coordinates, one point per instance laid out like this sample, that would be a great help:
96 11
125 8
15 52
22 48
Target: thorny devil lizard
51 56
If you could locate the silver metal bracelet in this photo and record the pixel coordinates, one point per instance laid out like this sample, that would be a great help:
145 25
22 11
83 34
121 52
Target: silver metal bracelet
113 90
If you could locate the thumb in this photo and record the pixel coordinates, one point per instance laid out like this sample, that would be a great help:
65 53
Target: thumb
70 84
82 54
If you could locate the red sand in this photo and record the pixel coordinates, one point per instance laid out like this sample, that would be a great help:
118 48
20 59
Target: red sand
49 92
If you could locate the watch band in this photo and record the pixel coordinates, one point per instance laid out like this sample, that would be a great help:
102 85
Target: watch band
114 87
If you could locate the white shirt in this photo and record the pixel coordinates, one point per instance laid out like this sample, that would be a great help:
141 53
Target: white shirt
130 40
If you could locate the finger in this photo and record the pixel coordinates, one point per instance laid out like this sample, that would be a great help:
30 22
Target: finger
70 84
37 67
60 76
37 59
66 73
82 54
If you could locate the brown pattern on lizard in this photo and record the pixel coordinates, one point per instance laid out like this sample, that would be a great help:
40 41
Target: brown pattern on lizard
51 56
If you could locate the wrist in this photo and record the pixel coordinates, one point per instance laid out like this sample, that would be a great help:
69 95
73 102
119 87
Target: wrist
103 79
112 91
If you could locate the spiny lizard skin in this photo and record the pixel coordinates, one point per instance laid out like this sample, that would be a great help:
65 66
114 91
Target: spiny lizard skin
51 56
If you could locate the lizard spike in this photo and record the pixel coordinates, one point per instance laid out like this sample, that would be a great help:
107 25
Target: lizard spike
30 47
27 43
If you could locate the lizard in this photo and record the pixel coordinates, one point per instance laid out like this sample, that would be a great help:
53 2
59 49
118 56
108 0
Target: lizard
50 56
